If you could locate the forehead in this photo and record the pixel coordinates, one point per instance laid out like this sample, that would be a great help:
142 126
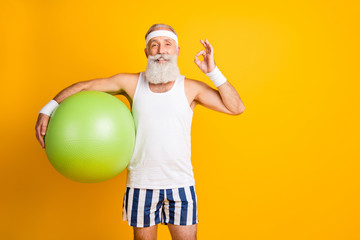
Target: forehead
162 39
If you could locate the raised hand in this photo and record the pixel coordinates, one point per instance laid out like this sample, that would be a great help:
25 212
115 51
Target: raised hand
208 64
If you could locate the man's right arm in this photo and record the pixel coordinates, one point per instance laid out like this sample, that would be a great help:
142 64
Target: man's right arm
113 85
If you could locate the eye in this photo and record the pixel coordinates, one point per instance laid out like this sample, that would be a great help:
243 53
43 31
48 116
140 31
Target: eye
168 44
153 45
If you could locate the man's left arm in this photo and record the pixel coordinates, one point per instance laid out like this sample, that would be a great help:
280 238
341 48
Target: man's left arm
226 99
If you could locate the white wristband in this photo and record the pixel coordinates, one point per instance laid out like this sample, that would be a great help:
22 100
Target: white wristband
216 77
49 108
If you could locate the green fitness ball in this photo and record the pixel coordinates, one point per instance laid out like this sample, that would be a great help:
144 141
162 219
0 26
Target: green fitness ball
90 137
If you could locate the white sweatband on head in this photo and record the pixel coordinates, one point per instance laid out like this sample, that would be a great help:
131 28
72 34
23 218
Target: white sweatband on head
162 33
49 108
216 77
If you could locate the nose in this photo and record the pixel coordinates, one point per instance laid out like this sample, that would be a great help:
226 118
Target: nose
162 49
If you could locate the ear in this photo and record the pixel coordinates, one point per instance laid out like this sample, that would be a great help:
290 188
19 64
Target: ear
178 50
146 52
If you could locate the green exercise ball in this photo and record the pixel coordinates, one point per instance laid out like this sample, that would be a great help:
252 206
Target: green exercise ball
90 137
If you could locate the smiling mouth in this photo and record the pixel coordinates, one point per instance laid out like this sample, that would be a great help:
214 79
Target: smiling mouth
161 60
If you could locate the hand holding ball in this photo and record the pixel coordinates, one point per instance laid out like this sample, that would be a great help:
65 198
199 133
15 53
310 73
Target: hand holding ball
90 137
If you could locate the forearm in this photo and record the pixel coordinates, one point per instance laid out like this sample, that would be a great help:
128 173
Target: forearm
231 98
67 92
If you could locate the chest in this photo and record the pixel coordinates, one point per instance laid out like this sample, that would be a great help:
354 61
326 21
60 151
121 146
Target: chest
189 92
169 99
161 88
163 108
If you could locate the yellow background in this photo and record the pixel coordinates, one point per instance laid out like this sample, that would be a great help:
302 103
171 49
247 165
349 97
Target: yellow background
287 168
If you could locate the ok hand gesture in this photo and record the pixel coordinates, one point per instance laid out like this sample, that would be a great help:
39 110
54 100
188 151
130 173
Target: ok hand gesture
208 64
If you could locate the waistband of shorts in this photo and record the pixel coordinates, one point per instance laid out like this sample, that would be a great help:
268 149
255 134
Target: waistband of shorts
156 187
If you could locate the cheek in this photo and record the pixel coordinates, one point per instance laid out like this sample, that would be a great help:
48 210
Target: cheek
153 51
173 51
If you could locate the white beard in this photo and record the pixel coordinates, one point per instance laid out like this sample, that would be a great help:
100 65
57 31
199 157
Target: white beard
157 73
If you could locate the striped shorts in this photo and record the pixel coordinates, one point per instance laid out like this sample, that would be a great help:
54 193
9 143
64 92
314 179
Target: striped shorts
148 207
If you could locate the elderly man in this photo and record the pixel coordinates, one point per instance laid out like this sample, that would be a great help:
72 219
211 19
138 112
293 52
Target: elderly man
160 181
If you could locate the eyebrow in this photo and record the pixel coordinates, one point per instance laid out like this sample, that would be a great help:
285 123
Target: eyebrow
155 40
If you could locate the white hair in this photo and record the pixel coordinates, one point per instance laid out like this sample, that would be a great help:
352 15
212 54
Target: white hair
159 25
157 73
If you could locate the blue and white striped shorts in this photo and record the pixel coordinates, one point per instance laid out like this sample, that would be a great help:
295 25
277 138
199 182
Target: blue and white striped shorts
148 207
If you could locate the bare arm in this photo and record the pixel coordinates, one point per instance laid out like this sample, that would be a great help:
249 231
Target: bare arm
226 99
112 85
231 98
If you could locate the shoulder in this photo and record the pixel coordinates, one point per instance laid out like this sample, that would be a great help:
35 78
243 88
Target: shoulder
127 82
195 85
194 88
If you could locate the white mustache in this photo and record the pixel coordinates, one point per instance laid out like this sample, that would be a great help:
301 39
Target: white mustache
160 57
157 72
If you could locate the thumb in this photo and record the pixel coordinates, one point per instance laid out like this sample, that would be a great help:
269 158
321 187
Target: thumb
197 60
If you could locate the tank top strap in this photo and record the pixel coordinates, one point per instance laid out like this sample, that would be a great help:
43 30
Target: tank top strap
179 86
139 86
182 83
142 80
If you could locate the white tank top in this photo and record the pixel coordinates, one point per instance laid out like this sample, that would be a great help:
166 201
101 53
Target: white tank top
162 154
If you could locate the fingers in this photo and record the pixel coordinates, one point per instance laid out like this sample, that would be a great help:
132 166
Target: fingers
197 60
40 128
207 46
210 46
202 52
40 138
43 129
